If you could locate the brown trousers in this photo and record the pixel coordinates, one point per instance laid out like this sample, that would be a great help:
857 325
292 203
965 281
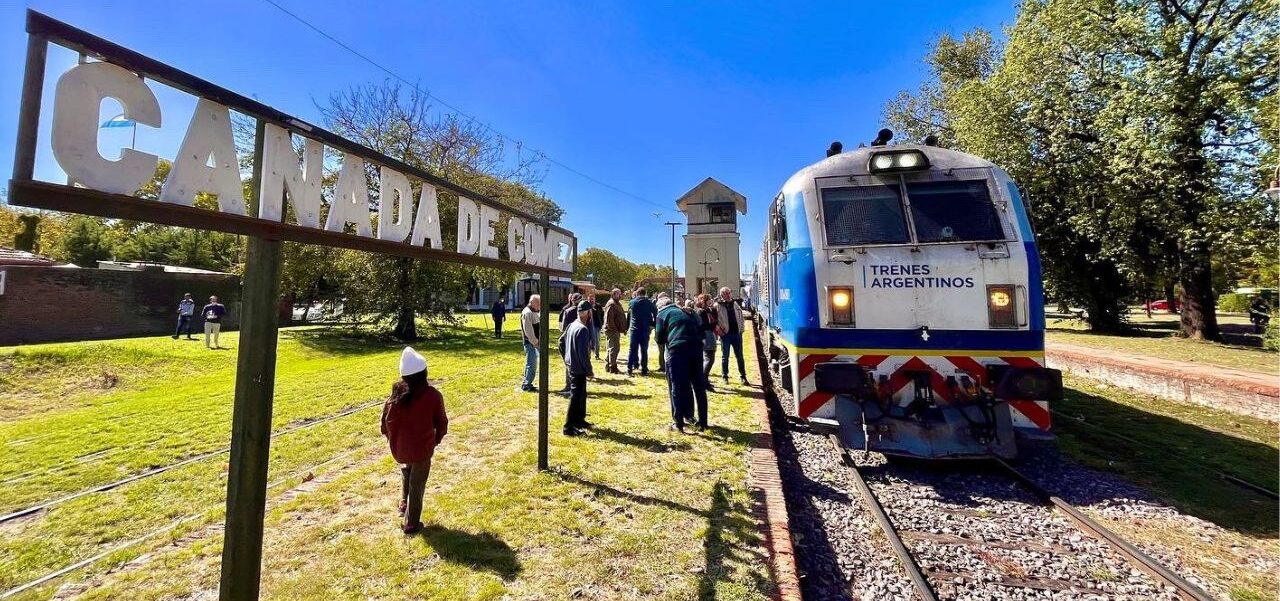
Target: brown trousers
612 346
413 480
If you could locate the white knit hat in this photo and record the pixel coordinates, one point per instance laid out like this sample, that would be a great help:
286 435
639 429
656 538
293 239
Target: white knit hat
411 362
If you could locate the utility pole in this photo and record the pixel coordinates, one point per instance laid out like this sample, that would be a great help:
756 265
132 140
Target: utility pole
673 225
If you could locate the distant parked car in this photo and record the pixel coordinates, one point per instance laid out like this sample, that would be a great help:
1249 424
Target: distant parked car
1162 305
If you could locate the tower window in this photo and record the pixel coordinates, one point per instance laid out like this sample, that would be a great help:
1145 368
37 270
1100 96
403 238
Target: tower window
721 212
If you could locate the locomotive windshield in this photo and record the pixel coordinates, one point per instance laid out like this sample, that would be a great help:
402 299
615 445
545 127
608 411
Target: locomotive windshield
955 211
864 215
941 211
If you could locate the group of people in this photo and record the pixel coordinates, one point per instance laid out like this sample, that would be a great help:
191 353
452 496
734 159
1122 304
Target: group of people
212 314
687 332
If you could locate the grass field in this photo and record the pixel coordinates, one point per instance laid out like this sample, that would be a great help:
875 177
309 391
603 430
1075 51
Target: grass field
1157 337
1178 452
632 510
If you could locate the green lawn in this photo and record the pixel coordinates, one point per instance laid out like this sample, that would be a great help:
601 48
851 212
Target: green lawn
1156 337
632 510
1178 451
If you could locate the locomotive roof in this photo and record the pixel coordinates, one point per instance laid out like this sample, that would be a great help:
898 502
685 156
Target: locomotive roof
854 162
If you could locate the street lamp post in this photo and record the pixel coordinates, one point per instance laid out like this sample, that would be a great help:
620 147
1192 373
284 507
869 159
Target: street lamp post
706 266
673 225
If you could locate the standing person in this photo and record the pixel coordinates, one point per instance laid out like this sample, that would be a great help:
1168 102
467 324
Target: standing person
643 314
530 317
597 323
662 348
708 319
614 324
678 329
499 313
414 422
186 309
577 363
568 314
212 313
729 314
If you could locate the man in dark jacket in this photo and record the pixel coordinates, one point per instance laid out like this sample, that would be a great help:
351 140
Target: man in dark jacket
680 331
643 314
499 313
577 363
568 314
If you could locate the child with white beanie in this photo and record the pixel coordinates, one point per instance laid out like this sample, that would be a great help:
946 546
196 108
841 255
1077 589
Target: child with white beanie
414 422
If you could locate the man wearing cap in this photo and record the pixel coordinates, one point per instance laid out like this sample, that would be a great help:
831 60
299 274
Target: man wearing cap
414 422
577 362
529 319
662 346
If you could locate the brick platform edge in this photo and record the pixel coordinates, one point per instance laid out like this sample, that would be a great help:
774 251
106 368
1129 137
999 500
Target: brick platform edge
769 504
1244 394
770 507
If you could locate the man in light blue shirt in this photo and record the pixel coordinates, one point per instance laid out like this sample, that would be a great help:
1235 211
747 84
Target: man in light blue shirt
186 309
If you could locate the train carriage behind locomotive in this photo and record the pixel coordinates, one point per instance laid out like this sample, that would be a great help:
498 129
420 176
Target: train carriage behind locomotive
899 295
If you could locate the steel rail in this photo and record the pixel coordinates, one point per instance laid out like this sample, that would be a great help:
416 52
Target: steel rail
8 517
1132 554
175 524
886 525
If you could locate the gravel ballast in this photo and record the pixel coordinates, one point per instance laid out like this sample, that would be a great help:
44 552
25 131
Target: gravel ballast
976 533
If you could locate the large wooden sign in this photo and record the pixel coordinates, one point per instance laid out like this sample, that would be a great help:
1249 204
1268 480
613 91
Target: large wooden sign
408 222
407 204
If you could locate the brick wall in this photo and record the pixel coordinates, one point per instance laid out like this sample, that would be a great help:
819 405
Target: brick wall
1244 398
49 304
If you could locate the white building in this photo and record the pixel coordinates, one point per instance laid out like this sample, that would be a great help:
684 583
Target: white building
711 242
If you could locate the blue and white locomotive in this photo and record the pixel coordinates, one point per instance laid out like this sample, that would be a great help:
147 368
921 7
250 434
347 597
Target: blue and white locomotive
899 296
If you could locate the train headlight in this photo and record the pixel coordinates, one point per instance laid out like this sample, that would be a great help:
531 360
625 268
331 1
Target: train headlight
898 160
1002 307
841 300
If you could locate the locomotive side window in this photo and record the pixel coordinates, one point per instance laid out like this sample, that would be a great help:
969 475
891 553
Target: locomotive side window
864 215
954 211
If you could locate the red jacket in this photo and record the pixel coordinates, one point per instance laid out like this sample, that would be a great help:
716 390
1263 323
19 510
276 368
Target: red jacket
415 426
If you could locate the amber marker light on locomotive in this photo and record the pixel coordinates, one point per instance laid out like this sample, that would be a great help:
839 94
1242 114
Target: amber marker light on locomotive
841 305
897 160
1001 306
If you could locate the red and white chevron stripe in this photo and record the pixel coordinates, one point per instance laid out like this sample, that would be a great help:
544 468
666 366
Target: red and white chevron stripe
1025 413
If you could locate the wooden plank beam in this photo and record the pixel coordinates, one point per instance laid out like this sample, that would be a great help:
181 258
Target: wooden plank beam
544 361
59 197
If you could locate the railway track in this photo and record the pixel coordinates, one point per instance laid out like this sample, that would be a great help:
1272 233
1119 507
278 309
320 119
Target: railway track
459 415
203 456
934 581
950 534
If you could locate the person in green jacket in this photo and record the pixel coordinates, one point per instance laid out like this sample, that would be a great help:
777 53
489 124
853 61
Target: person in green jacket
680 331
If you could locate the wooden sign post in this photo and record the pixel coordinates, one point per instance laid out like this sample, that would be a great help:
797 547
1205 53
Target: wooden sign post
207 164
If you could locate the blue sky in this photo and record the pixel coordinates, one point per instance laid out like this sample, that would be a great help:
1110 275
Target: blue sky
648 97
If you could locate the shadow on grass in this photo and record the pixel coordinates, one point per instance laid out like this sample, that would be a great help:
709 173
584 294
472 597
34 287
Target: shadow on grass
484 550
621 396
731 532
652 445
1180 462
730 535
367 340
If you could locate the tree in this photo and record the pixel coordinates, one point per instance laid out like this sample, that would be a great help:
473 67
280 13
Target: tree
1133 127
609 270
398 122
87 241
